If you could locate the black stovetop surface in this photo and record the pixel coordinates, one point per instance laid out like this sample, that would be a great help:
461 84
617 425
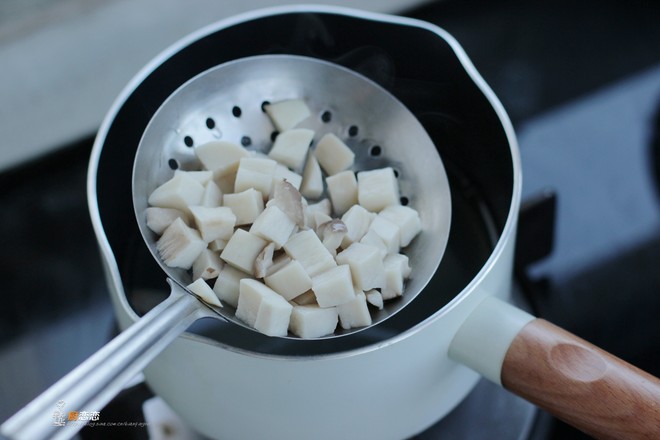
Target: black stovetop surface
581 82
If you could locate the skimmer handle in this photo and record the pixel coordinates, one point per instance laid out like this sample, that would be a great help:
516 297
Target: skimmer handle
91 385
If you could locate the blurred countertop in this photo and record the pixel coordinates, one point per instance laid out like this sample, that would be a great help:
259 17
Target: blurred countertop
63 62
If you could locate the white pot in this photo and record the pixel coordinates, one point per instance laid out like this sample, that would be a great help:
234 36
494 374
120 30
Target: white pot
378 386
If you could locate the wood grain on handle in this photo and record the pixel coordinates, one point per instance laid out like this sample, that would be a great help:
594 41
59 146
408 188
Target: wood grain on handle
581 384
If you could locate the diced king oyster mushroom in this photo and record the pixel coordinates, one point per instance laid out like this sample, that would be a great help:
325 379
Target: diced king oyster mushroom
180 245
286 114
306 247
373 239
179 192
374 298
354 313
220 157
378 189
343 191
291 146
246 205
273 225
310 210
332 233
406 218
357 221
312 182
212 194
306 299
207 265
242 249
264 261
158 219
283 173
204 291
334 286
217 245
255 172
288 264
333 154
312 321
226 286
388 232
290 281
214 223
366 265
260 307
202 177
396 271
289 200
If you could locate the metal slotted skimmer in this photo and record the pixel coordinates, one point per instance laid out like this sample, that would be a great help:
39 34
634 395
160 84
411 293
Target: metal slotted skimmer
226 102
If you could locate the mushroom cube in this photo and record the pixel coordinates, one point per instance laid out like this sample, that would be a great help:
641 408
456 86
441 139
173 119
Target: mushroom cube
406 218
207 265
366 265
226 286
403 263
306 299
333 154
378 189
312 181
273 225
357 221
396 270
212 195
264 261
204 291
221 157
318 219
323 206
286 197
260 307
180 245
373 239
388 232
217 245
343 191
255 172
214 223
158 219
374 298
312 321
202 177
288 113
226 181
242 250
179 192
289 281
306 247
331 233
334 286
291 146
246 205
282 173
354 313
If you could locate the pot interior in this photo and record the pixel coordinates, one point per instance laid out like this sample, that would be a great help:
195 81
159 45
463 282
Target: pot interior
416 65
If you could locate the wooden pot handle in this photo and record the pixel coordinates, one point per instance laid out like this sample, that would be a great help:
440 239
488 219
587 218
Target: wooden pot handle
581 384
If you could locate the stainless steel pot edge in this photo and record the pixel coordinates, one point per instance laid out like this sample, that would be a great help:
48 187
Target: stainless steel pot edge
509 229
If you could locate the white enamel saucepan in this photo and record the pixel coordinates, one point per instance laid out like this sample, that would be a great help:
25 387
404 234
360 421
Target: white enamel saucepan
399 377
348 102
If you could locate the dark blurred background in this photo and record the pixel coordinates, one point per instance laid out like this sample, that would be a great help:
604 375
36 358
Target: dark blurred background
581 83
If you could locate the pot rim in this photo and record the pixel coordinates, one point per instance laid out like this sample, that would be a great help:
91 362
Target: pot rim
508 232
